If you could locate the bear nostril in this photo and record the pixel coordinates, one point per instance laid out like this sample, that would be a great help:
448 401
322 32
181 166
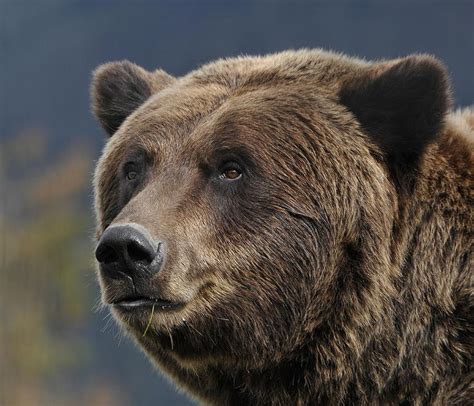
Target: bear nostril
105 254
128 250
140 253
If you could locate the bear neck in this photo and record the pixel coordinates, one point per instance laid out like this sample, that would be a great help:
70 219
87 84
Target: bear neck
432 253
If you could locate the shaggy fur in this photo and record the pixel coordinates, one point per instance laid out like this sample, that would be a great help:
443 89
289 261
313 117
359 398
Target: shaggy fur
338 268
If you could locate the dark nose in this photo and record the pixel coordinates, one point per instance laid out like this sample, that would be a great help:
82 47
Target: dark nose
127 250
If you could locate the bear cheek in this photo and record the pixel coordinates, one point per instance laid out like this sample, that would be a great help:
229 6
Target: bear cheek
195 247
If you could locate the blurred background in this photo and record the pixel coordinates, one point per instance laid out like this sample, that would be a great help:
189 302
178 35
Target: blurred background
56 347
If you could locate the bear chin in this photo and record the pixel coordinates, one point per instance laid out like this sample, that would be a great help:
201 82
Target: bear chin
171 334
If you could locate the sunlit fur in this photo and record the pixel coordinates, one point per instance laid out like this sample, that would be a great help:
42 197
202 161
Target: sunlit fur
338 269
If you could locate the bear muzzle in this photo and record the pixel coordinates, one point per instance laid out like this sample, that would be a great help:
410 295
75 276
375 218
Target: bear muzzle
128 253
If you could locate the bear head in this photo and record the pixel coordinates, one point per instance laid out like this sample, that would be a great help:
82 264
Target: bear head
246 211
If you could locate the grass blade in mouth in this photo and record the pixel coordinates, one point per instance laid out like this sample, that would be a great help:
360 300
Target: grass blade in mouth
149 321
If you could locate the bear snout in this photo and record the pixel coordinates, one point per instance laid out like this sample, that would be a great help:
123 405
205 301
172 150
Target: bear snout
128 251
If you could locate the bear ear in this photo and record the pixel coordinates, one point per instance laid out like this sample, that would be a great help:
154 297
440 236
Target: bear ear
119 88
402 105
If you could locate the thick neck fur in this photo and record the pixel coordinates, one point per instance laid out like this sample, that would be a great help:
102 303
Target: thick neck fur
434 316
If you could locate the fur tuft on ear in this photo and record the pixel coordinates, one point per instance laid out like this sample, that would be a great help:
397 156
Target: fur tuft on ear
402 105
119 88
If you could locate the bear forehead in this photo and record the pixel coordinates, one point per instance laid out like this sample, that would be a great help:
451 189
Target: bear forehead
243 92
200 115
275 83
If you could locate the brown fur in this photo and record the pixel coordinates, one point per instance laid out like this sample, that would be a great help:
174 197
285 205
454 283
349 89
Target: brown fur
339 269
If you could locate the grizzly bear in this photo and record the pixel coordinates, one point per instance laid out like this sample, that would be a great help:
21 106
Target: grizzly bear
291 229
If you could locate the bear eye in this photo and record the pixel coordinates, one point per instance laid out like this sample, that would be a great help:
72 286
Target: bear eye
231 171
131 175
131 171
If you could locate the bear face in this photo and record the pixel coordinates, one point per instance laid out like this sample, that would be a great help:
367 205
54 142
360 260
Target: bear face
229 242
246 212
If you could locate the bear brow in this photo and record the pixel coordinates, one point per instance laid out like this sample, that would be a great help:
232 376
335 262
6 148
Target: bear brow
138 152
235 150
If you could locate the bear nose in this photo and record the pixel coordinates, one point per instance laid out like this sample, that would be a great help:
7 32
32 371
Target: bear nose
124 249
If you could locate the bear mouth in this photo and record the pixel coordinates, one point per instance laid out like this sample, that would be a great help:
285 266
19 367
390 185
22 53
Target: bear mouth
135 302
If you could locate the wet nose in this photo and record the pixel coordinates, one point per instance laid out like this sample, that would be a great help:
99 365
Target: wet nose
125 249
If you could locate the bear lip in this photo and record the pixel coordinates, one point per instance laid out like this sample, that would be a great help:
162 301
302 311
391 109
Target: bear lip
144 301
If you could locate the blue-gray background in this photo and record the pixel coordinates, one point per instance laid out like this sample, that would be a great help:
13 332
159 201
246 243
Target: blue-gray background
57 348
